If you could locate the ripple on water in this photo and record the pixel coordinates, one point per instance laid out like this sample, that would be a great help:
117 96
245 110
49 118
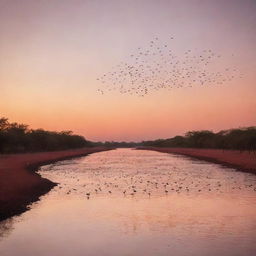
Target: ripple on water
132 202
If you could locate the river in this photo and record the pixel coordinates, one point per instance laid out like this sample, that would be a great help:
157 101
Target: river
137 202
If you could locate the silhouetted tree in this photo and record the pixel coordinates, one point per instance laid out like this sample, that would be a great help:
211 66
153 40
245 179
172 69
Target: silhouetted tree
239 139
16 137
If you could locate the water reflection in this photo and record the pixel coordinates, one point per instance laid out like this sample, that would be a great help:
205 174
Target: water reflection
218 219
145 173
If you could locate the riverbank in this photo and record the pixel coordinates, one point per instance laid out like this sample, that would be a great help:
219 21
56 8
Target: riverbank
243 161
20 185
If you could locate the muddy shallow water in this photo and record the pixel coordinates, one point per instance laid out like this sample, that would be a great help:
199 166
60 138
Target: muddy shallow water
132 202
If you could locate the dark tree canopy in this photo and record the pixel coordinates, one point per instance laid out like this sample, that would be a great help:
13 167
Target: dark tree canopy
239 139
16 138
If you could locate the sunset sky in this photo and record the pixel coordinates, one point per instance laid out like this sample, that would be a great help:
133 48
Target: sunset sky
52 51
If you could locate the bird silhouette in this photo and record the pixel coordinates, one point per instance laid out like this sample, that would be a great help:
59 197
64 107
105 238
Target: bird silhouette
156 67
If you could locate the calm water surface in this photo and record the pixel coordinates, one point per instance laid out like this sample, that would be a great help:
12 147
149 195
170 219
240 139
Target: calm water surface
132 202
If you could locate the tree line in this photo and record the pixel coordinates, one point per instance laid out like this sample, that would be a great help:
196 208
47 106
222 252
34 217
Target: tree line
115 144
237 139
17 138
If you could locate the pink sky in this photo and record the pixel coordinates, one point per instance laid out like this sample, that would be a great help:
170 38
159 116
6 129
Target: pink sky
51 53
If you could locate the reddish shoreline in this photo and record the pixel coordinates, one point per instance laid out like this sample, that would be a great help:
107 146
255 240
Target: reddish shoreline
20 184
243 161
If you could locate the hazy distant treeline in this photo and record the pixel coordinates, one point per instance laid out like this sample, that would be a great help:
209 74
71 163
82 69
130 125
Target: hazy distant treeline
114 144
239 139
16 138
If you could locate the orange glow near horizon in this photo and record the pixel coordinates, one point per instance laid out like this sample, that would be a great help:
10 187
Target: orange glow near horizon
51 54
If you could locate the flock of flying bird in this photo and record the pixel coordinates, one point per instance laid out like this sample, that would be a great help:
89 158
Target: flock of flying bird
157 67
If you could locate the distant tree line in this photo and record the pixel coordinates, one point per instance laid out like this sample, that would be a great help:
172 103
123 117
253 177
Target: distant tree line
15 138
238 139
115 144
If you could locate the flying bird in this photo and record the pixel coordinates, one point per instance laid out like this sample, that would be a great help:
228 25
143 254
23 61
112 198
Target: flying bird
156 67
